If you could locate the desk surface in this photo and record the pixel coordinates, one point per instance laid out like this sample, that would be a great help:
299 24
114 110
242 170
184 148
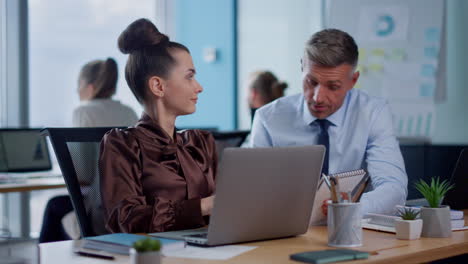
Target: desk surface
25 185
386 249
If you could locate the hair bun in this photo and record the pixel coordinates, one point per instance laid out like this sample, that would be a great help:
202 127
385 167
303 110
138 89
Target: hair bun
110 62
281 86
139 34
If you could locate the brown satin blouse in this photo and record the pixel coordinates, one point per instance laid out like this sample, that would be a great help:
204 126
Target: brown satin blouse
151 183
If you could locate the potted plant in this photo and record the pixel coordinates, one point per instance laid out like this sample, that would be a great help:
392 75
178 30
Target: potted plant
436 217
146 251
408 227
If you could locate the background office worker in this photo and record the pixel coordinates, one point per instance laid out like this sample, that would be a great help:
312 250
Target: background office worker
97 83
264 87
355 127
96 86
153 178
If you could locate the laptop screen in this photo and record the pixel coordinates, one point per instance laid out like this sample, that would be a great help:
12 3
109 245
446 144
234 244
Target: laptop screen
23 150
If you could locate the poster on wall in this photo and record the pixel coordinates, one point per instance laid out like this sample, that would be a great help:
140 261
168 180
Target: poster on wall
399 56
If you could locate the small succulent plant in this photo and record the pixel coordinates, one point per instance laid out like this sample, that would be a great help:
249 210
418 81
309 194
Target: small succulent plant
435 192
408 213
147 245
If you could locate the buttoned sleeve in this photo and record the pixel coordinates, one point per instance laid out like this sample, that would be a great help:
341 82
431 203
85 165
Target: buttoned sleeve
385 166
127 208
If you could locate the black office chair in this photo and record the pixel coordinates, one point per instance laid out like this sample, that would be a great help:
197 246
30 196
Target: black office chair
229 139
77 151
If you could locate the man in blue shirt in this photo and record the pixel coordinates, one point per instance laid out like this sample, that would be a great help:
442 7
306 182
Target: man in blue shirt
355 128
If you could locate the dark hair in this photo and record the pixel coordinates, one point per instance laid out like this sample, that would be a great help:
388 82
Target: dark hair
149 55
331 48
268 86
102 75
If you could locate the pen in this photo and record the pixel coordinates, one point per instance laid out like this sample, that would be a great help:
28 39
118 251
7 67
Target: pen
327 181
93 254
334 195
350 197
337 190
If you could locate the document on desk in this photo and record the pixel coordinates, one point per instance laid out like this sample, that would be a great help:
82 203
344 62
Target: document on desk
212 253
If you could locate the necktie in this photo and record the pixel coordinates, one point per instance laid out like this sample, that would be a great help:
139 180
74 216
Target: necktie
323 139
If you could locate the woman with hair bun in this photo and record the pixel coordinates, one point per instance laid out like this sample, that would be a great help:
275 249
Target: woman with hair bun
154 178
96 85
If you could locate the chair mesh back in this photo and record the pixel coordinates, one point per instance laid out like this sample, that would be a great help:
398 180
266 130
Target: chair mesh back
228 140
85 158
77 152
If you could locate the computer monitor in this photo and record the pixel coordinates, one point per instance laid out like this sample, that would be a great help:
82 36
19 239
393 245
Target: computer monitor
456 198
23 150
424 162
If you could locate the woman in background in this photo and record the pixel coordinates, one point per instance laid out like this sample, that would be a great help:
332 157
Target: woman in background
264 87
153 178
97 83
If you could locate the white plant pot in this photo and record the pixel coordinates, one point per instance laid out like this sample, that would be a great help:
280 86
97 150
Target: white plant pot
436 222
151 257
408 229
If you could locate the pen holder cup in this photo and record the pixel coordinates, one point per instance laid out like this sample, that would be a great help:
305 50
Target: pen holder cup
344 225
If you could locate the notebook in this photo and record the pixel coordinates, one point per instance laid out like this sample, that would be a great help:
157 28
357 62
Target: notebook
354 181
386 223
454 214
329 256
121 243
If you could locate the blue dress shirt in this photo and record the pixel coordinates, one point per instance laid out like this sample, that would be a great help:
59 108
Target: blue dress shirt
361 136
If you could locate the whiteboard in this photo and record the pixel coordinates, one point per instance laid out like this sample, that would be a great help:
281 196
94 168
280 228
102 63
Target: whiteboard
399 44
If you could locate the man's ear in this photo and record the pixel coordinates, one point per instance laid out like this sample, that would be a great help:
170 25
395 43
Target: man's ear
156 85
355 77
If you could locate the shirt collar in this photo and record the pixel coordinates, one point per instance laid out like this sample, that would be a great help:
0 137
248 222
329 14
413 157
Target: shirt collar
151 129
336 119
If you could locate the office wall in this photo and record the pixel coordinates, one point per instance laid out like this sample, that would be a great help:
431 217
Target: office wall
271 36
202 26
452 125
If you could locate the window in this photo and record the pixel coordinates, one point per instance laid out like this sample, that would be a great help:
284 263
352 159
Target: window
63 36
2 62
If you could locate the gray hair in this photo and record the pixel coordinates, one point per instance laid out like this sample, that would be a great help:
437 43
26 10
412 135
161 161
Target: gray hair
331 48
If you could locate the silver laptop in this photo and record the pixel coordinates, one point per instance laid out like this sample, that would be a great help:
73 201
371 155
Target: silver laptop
262 193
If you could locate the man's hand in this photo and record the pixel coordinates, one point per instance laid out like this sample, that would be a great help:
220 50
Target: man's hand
325 203
206 205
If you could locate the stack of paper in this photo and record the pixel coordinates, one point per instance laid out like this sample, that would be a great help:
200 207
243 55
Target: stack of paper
458 217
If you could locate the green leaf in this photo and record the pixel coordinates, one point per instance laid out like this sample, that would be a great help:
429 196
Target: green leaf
147 244
408 213
434 192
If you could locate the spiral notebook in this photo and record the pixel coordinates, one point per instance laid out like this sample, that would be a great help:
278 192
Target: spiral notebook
351 181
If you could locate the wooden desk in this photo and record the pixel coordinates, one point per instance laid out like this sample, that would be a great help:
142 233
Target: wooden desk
386 247
27 185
